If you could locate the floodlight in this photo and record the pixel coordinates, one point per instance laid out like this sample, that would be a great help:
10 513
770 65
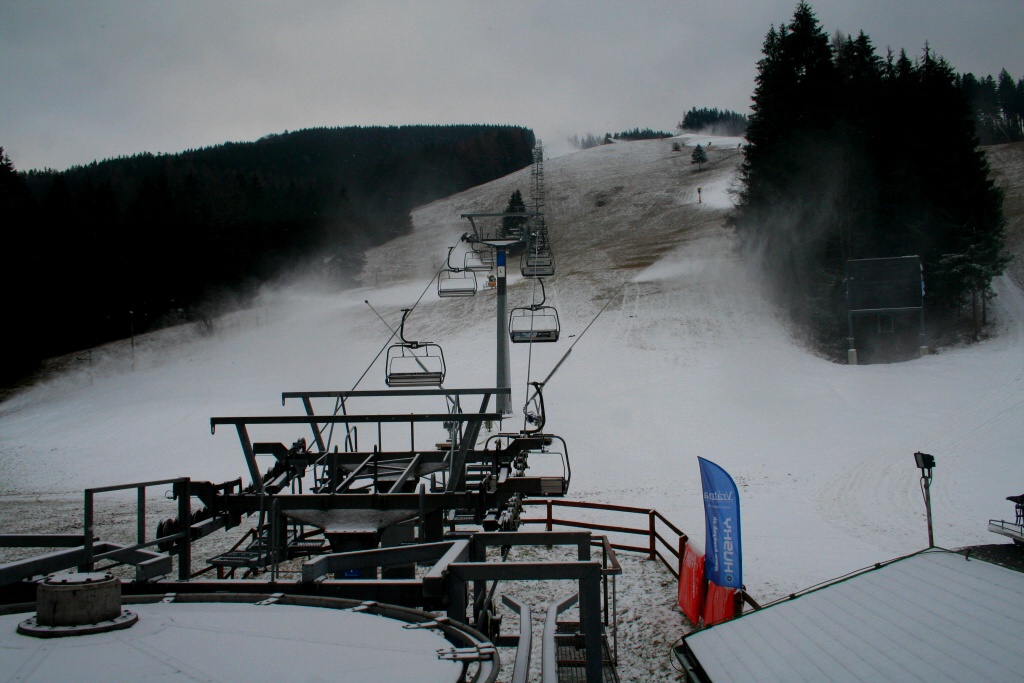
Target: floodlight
924 461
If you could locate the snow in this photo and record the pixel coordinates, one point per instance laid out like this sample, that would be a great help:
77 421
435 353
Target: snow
688 360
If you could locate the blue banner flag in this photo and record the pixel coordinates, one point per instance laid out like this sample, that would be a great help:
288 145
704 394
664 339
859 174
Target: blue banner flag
723 562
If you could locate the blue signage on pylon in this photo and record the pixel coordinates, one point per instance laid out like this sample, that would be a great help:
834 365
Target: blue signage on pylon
723 557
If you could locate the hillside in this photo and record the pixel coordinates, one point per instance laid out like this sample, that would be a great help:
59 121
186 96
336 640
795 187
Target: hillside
688 360
149 240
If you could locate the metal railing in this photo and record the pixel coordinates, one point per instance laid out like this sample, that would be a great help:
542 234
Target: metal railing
668 550
183 536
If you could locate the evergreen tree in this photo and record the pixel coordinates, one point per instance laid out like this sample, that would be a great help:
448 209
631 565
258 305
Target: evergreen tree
1008 94
510 225
699 157
789 168
996 106
24 263
723 122
821 184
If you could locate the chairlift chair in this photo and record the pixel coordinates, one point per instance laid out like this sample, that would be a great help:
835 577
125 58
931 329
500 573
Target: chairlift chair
539 258
455 281
549 462
474 261
534 323
551 458
537 263
414 363
554 453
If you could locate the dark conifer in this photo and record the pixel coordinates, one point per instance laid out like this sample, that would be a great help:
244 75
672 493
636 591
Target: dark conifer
510 225
699 157
824 181
155 234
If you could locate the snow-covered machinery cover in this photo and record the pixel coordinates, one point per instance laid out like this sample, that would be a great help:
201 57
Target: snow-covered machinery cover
932 616
220 637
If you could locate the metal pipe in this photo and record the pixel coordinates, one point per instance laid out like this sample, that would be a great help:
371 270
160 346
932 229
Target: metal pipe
504 370
185 526
88 531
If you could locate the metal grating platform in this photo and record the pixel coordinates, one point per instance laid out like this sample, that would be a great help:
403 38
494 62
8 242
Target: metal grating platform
572 655
241 558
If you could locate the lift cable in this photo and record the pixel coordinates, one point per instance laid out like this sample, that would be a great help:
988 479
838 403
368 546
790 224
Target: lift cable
566 354
339 402
529 355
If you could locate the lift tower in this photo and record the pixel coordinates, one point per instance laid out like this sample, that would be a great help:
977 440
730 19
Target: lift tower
502 245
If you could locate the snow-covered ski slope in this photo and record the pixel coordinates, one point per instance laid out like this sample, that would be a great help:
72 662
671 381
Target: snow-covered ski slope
688 360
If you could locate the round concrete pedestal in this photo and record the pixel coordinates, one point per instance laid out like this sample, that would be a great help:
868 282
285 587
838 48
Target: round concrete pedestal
77 604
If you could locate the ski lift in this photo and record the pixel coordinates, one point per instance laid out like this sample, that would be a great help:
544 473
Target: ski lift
455 281
414 363
534 323
552 456
549 458
539 258
474 260
538 263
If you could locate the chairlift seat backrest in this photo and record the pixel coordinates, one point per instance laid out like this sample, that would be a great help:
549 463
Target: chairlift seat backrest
538 270
422 366
528 325
475 262
456 283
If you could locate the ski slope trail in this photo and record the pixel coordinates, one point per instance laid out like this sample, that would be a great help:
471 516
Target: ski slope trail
690 360
687 360
964 429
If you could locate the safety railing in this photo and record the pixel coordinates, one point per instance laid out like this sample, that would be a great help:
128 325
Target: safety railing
665 541
180 539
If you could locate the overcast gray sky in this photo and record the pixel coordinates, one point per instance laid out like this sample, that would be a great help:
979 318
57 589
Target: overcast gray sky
82 80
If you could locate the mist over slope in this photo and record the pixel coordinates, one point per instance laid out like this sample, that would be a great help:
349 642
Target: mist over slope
1007 163
688 360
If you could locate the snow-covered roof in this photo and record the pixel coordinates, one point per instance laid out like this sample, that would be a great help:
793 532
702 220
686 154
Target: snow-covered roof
933 616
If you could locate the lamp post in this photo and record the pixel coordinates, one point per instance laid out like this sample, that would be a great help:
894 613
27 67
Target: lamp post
925 463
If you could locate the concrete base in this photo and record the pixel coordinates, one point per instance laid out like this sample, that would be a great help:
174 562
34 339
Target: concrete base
923 351
851 357
77 605
77 599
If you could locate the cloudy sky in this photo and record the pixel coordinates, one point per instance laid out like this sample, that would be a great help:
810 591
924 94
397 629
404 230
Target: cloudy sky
92 79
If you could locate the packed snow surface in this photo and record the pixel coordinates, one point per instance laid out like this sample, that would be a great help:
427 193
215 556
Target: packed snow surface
688 360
